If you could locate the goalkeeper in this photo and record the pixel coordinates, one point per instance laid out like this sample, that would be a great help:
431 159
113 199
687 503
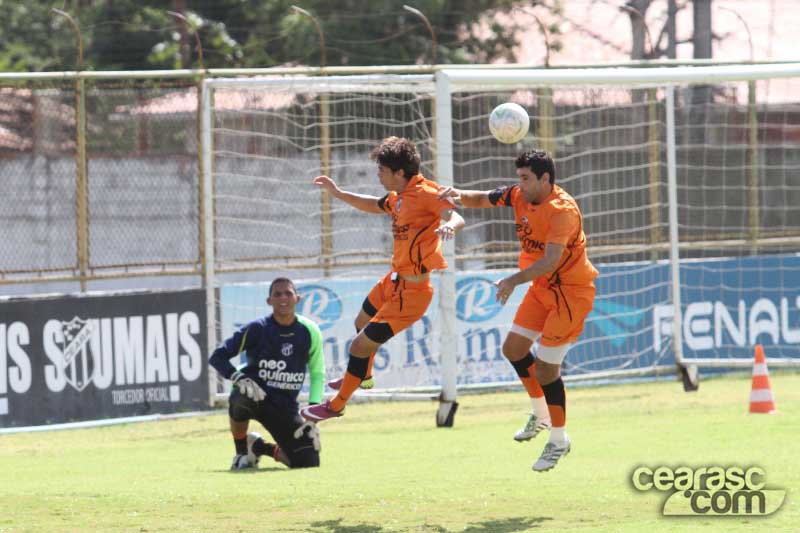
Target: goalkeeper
280 349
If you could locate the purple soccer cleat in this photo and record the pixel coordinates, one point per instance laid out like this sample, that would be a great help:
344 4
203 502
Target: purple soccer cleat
319 412
367 383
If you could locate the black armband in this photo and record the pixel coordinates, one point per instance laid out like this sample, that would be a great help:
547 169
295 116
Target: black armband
501 196
382 202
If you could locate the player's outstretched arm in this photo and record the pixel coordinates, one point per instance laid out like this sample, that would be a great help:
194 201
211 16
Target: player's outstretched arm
363 202
466 198
453 222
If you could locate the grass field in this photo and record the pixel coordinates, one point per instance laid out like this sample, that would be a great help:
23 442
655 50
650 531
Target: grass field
387 468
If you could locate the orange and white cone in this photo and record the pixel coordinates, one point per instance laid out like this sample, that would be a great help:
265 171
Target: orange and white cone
761 400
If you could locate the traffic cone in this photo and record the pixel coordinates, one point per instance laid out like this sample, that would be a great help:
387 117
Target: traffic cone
761 400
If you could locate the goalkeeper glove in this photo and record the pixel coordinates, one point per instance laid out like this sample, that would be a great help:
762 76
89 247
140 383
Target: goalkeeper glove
310 430
247 386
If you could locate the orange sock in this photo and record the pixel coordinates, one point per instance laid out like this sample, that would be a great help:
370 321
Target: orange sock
369 365
356 371
532 384
349 386
557 415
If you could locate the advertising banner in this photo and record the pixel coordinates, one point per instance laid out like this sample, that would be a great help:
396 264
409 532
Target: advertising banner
77 358
728 306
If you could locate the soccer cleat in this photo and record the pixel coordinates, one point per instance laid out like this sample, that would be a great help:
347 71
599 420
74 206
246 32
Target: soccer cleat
317 413
533 427
241 462
252 458
367 383
550 455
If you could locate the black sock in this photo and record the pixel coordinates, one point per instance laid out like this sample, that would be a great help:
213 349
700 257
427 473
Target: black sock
555 396
269 449
262 448
241 446
358 366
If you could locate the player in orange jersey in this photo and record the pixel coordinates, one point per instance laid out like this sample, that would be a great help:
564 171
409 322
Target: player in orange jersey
403 295
549 226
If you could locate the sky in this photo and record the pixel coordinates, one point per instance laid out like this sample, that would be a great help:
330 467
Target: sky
598 32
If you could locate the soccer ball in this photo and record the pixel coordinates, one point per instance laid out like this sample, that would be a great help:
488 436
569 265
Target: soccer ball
509 122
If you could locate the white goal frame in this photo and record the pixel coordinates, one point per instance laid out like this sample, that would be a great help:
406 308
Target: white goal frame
442 85
451 80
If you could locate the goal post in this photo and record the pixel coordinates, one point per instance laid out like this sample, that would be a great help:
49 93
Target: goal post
687 178
264 140
721 331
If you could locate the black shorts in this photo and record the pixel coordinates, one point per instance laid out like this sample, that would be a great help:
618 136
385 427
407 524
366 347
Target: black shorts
281 422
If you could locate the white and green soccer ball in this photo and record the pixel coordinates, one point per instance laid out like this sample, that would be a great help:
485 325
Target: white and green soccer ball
509 122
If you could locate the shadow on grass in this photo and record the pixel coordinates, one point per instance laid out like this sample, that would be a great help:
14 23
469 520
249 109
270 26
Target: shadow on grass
506 525
335 526
251 471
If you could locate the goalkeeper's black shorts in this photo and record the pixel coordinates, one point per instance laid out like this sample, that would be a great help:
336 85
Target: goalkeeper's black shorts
281 422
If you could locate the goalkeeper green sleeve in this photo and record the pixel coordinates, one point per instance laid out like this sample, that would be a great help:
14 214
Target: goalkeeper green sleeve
316 361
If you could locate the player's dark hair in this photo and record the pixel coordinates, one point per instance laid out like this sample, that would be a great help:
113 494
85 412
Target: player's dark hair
281 280
539 162
397 153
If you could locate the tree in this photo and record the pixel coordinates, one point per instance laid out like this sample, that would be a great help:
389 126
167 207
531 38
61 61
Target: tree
140 34
702 34
702 37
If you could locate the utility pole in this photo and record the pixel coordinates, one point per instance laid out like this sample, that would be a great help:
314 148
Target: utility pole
672 37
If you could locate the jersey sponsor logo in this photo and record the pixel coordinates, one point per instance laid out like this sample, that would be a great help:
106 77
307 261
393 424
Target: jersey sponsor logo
400 232
524 220
320 304
287 349
531 245
399 202
523 234
475 299
274 374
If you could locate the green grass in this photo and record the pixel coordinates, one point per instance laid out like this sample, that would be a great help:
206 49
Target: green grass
385 467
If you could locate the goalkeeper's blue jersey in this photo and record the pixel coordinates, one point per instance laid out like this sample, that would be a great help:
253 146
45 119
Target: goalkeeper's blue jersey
277 357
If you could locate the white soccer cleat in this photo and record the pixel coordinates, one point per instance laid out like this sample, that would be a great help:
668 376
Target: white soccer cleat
251 456
533 427
550 455
241 462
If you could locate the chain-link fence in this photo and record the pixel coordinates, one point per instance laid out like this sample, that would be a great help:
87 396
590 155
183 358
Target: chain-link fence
115 196
101 172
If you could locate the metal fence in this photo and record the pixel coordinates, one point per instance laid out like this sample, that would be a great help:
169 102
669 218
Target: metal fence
100 171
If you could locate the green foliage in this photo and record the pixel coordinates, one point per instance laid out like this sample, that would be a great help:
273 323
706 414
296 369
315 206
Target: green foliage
385 467
139 34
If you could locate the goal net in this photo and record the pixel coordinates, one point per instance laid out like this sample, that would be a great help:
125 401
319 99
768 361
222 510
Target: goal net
270 138
687 178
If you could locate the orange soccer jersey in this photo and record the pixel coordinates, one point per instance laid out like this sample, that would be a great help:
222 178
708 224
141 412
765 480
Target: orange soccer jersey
557 304
415 216
557 220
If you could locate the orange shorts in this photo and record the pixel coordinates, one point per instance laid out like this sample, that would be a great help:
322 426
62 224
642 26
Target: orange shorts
557 312
398 302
